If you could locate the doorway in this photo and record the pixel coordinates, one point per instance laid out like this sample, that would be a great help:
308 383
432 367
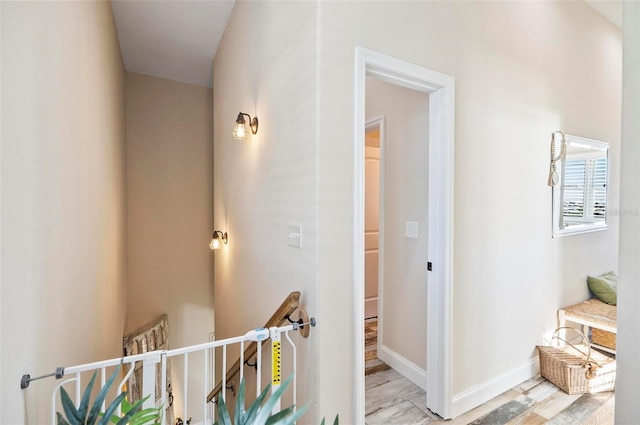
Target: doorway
373 258
374 203
439 222
396 233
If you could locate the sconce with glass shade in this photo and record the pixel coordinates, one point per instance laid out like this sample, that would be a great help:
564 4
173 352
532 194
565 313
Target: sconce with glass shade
240 130
217 238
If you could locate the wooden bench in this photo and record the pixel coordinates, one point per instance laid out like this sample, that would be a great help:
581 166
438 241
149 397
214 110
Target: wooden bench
592 314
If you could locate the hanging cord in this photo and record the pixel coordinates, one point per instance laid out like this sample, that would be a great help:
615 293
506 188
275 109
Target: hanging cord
553 174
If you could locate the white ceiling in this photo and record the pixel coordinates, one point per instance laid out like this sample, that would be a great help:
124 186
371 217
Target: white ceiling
177 39
174 39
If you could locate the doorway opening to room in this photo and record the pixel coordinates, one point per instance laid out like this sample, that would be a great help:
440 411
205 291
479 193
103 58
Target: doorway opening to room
416 178
374 203
395 231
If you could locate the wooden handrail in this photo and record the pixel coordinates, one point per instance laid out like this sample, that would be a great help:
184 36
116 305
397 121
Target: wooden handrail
288 306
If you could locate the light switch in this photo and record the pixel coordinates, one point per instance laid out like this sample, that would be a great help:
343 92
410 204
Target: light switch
411 230
295 235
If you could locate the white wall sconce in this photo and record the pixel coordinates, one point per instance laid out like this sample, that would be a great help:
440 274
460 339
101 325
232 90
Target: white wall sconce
218 237
240 130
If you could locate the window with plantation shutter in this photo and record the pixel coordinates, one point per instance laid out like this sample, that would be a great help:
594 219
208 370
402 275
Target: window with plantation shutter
584 190
579 170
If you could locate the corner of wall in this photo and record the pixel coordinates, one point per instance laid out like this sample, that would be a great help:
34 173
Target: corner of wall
485 391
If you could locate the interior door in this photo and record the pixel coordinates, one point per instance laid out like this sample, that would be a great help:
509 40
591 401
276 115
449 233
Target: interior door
372 223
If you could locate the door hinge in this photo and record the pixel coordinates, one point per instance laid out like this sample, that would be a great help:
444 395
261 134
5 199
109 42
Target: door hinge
429 266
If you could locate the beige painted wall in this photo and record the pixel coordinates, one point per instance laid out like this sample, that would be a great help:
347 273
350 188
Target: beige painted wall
522 69
63 196
269 180
170 207
628 343
406 185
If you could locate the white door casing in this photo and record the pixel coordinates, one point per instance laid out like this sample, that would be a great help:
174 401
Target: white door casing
441 90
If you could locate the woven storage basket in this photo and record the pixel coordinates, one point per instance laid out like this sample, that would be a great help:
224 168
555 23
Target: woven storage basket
576 369
603 338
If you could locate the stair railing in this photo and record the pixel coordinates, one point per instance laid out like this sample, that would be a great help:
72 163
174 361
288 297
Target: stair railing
281 316
154 359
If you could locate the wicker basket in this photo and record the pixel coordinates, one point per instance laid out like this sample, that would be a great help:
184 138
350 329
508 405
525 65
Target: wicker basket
576 369
603 338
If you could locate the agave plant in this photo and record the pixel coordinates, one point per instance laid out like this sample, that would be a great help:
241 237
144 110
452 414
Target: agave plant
140 416
92 415
259 412
335 421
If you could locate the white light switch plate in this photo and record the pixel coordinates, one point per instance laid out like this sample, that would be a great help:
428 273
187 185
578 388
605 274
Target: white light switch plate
411 230
295 235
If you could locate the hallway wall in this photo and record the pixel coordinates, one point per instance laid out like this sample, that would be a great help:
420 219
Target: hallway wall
170 214
628 342
522 70
63 242
266 182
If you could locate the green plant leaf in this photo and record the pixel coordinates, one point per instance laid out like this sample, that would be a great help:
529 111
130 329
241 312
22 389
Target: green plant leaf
286 416
240 412
104 420
135 406
61 419
266 409
136 414
142 417
126 406
114 419
129 416
126 418
95 409
223 413
84 403
298 414
275 418
335 421
68 407
252 412
133 414
259 413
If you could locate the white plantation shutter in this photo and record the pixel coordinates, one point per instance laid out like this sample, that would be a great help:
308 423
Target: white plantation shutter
599 187
575 179
584 190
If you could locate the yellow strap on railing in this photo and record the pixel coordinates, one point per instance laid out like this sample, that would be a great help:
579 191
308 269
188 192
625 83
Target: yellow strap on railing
279 317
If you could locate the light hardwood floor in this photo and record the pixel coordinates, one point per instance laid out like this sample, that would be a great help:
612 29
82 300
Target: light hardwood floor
394 400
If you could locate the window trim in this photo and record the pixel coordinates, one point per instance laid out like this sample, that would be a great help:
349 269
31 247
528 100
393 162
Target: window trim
598 150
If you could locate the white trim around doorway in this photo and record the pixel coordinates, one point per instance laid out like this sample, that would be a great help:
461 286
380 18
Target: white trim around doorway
441 89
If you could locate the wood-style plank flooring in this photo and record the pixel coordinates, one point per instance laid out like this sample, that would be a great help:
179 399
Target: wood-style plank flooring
372 363
394 400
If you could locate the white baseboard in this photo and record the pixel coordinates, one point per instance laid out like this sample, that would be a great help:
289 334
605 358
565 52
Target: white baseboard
371 307
407 369
479 394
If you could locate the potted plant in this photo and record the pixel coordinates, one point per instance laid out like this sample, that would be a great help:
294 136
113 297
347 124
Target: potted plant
84 414
259 412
